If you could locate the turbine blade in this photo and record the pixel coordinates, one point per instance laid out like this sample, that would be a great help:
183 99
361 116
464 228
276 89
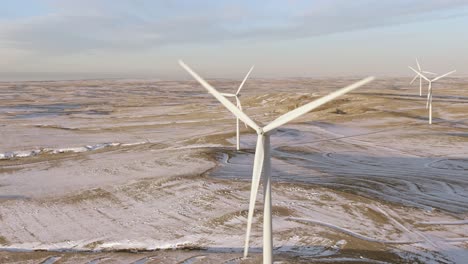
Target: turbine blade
240 107
415 77
257 171
420 74
312 105
245 79
428 72
419 66
228 94
230 106
442 76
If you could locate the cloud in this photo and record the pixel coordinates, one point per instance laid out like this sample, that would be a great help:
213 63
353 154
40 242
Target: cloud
82 26
59 33
119 25
327 17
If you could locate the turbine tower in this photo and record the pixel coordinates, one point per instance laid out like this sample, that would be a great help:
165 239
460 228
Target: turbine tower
262 159
429 90
238 104
420 79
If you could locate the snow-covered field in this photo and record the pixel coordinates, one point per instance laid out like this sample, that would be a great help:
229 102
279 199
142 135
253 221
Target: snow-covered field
91 171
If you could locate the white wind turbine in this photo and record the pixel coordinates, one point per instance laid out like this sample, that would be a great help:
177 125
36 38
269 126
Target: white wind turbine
262 160
429 90
238 104
420 79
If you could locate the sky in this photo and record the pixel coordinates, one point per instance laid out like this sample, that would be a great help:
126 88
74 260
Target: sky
222 39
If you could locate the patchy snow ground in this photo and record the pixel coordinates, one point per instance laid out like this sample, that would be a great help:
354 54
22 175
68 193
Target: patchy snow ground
93 170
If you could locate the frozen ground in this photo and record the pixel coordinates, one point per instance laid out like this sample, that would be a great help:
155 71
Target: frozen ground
94 170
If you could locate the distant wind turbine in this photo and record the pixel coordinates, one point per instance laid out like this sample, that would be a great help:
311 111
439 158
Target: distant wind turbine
420 79
262 160
238 104
429 90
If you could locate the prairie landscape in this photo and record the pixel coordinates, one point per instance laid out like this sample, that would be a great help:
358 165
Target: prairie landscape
146 171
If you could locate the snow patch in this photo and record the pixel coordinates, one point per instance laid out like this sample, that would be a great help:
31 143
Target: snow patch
31 153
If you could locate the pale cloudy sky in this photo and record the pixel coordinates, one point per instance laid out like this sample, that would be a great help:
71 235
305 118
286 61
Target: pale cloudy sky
144 38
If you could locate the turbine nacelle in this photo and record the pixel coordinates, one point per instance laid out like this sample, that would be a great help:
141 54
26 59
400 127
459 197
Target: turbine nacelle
260 132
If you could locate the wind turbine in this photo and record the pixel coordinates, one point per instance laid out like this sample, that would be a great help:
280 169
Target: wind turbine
420 79
429 90
262 159
238 104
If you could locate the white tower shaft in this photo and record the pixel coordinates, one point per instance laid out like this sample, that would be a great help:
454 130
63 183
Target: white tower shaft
267 213
429 102
420 86
237 134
